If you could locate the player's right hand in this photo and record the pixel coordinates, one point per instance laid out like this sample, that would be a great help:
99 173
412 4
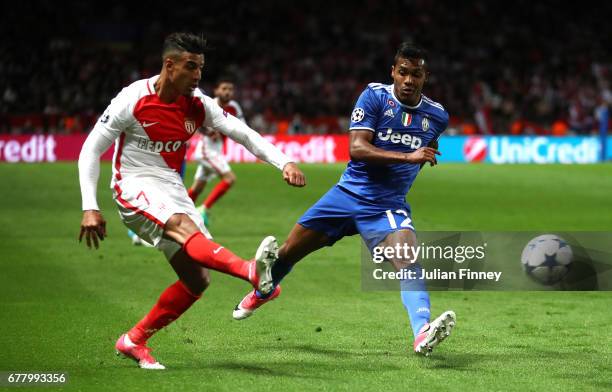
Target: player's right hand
93 226
293 175
424 155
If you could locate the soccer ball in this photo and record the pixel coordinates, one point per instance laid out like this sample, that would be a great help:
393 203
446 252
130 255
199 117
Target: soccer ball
547 258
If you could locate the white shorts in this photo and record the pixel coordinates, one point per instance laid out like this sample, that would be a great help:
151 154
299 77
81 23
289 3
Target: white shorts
212 163
146 204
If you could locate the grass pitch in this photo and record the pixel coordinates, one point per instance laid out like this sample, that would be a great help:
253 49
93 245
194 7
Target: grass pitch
63 306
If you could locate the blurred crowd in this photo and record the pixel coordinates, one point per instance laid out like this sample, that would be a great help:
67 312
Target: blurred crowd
497 67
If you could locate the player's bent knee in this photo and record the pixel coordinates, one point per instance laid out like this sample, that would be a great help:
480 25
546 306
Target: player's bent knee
197 287
204 283
180 227
229 178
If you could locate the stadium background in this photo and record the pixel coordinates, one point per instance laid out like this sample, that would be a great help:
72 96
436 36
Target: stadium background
524 83
530 68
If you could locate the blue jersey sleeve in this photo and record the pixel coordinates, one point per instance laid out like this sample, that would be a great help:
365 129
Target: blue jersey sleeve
443 124
365 113
439 123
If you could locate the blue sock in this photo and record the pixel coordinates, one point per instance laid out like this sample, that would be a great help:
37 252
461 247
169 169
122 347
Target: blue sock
279 271
415 299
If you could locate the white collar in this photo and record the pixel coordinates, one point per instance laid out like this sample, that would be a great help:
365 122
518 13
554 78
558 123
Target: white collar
151 83
403 105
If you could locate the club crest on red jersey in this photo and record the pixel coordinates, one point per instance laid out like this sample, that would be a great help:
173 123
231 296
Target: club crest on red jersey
190 126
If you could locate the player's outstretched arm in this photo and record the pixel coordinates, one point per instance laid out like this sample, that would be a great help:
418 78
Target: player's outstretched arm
267 152
362 149
254 142
264 150
93 225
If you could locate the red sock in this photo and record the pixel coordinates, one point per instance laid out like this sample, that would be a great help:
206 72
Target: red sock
214 256
216 193
193 195
173 302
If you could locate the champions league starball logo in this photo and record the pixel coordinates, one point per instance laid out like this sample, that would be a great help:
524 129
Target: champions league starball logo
357 115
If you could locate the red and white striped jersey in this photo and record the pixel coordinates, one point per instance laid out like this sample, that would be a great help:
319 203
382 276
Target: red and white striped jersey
151 135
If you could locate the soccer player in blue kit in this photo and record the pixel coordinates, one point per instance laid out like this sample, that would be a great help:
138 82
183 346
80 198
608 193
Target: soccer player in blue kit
393 132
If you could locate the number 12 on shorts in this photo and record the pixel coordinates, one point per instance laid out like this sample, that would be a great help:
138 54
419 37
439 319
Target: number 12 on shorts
406 223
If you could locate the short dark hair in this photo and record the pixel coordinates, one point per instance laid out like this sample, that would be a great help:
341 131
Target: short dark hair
184 42
407 50
224 79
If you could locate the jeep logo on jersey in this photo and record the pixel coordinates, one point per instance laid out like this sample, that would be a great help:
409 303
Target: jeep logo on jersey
190 126
157 147
411 141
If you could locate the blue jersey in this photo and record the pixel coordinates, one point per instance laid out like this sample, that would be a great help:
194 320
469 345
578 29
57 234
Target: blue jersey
396 127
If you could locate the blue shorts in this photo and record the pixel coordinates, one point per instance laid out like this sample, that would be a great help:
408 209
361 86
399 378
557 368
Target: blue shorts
342 213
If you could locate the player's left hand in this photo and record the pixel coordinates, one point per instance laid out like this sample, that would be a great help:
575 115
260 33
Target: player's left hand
433 144
432 163
293 175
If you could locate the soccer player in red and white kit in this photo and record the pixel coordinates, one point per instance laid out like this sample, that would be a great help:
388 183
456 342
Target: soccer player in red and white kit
210 152
150 121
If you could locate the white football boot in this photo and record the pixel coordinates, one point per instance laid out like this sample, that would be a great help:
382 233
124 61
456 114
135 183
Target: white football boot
265 258
434 333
